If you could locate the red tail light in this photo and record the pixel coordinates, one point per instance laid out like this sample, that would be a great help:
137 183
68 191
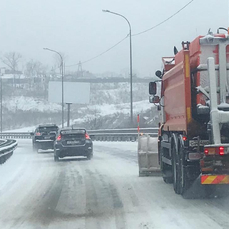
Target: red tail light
206 151
184 138
221 150
58 138
214 150
87 136
38 134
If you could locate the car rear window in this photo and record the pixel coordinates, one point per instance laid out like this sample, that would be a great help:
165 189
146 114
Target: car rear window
73 132
48 129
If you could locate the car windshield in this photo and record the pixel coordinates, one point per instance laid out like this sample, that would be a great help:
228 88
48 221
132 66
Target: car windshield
114 114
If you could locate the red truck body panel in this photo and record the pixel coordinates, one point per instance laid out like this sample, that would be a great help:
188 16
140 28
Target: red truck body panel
174 99
177 99
177 85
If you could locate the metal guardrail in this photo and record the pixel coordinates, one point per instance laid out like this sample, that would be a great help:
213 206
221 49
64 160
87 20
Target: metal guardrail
127 134
15 135
6 149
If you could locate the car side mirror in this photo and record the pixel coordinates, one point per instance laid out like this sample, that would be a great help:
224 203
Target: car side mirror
152 88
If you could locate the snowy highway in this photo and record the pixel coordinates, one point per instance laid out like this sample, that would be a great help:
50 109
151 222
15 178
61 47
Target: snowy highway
106 192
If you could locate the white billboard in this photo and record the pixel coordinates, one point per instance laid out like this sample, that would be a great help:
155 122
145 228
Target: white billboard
74 92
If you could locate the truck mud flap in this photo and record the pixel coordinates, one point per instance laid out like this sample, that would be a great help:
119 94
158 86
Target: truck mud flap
214 179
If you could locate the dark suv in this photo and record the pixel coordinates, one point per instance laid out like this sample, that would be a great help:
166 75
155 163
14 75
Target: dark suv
73 142
44 137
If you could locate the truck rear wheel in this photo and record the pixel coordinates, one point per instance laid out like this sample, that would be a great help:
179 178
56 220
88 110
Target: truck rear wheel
167 178
176 170
183 180
166 169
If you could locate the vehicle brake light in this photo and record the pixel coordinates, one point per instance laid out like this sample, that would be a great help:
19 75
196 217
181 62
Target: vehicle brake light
214 151
206 151
38 134
58 138
221 150
87 136
184 138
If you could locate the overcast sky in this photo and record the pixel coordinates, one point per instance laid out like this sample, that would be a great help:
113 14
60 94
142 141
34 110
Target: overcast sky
80 30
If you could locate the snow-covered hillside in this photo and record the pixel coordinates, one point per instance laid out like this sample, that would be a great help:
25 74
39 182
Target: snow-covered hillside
109 106
115 93
110 109
15 103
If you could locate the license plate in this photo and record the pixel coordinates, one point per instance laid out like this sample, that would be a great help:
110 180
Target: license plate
47 137
194 143
73 142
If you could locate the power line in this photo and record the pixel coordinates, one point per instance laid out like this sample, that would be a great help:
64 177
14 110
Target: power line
136 34
95 57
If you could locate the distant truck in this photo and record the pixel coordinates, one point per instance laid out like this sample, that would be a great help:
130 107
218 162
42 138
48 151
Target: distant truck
193 138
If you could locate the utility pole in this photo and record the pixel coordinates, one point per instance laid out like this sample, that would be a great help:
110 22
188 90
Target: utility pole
69 110
1 103
1 119
80 70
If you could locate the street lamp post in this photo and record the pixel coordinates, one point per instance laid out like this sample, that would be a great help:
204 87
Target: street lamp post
131 69
2 72
62 78
1 103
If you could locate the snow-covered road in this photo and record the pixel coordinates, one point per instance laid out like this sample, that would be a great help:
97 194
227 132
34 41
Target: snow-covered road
106 192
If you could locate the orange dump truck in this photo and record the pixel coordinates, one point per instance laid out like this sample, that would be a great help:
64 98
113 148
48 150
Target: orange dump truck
193 139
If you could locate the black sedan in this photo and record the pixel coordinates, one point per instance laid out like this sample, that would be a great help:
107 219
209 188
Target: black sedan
44 136
73 142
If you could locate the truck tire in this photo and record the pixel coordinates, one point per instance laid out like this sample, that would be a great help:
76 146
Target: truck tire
168 180
166 169
183 180
175 170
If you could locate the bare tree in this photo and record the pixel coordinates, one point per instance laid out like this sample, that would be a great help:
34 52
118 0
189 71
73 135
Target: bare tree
32 69
37 72
12 59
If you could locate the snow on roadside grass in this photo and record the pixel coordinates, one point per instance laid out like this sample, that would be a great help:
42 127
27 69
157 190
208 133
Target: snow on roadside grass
86 113
109 109
30 104
92 111
24 129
